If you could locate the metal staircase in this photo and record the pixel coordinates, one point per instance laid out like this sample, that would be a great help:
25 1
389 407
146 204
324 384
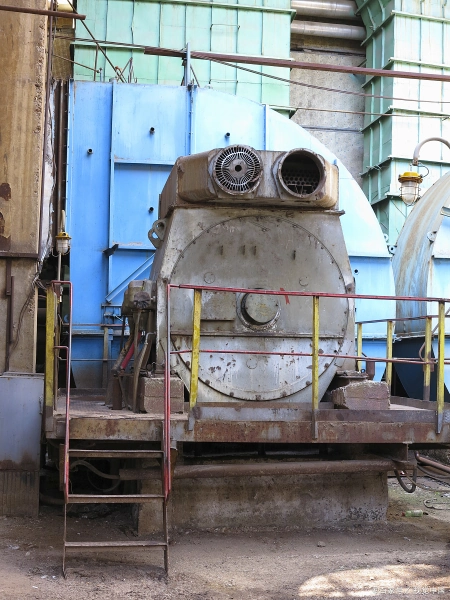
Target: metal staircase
53 326
114 498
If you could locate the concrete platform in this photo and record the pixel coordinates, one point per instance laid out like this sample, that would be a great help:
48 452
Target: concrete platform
263 502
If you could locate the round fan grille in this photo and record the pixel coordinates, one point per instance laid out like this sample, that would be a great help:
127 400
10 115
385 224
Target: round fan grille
237 169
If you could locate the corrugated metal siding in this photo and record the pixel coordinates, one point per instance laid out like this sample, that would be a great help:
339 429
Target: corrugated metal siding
19 493
21 400
407 35
229 27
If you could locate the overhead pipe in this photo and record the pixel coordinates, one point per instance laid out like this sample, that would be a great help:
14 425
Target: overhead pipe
295 64
340 10
328 30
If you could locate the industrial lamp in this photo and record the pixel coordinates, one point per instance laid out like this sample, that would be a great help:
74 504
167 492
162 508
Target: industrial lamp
409 190
409 187
63 242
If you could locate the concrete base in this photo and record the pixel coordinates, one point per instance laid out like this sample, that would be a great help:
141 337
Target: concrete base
262 502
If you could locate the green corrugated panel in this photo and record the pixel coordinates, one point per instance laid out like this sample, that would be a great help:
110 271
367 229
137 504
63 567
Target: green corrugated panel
406 35
246 27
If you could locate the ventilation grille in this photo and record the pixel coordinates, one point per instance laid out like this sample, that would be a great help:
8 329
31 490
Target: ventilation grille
302 176
237 169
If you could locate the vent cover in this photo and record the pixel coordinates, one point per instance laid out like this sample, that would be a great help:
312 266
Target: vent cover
301 174
237 169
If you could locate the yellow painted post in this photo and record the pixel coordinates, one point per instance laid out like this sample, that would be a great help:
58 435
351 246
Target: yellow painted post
359 332
315 365
440 373
389 337
195 347
49 376
427 356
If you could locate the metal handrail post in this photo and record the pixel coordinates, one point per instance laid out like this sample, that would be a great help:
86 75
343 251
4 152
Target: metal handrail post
359 332
315 366
196 316
389 336
440 373
166 424
427 365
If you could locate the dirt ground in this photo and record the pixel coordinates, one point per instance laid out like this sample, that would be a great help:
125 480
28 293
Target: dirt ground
402 558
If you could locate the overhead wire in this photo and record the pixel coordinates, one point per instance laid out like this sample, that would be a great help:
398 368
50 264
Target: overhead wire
126 45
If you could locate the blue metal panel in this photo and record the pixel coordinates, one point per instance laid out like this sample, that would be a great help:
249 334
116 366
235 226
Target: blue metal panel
87 196
120 181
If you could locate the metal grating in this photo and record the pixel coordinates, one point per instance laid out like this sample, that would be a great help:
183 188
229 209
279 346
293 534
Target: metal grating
237 169
300 175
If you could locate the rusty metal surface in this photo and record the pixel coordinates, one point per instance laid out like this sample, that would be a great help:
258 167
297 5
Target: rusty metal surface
264 469
19 493
333 426
39 11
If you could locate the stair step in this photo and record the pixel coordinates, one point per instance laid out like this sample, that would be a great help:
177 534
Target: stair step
112 499
114 453
121 544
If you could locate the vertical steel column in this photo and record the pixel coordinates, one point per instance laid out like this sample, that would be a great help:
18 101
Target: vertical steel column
196 315
315 366
187 68
389 336
105 359
359 345
440 373
427 357
49 376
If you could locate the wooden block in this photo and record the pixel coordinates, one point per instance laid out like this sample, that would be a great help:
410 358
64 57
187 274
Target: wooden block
362 395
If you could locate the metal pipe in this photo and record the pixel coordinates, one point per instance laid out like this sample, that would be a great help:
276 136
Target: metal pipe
315 366
60 161
340 9
39 11
417 149
359 339
389 338
440 368
196 316
431 463
266 469
427 357
46 110
294 64
328 30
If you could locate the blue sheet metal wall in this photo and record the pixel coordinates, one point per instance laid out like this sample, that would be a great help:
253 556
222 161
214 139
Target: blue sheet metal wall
117 168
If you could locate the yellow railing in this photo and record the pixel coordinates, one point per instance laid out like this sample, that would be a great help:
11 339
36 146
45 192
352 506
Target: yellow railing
427 361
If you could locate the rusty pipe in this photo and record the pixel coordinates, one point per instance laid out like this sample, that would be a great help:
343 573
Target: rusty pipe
431 463
293 64
41 11
312 467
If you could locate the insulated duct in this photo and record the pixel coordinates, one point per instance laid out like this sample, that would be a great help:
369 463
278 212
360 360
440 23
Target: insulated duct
328 30
342 10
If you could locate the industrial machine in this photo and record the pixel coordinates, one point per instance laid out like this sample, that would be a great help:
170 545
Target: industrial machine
246 220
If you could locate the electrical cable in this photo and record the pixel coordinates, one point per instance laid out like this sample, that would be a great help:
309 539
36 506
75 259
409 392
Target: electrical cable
425 487
408 490
77 63
98 45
